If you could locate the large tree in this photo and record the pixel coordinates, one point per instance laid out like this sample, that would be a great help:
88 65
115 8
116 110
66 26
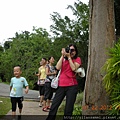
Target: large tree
101 37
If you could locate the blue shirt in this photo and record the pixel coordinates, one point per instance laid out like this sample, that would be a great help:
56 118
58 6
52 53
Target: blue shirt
17 86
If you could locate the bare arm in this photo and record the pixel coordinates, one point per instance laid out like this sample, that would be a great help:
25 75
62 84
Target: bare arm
59 63
49 73
74 66
39 73
27 89
10 88
39 76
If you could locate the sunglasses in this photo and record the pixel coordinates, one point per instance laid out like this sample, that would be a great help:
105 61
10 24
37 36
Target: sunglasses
72 50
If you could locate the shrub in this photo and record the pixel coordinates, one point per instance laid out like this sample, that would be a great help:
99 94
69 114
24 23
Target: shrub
111 80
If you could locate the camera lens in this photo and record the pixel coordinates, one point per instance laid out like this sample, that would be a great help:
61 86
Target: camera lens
67 49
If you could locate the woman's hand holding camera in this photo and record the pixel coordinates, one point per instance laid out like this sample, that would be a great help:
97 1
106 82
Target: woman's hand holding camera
65 54
63 51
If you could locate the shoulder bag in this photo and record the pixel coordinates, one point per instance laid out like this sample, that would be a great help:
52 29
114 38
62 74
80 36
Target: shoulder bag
54 82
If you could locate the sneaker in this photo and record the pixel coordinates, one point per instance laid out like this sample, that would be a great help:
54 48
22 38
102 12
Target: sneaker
40 104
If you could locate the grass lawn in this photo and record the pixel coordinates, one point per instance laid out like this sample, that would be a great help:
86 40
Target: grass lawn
5 106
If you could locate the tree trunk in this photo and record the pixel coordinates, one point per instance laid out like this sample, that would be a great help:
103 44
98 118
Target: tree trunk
101 37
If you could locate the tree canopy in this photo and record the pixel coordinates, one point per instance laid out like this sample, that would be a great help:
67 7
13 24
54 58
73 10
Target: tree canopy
28 48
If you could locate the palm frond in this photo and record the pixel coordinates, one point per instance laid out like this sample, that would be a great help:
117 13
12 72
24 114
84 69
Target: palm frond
111 78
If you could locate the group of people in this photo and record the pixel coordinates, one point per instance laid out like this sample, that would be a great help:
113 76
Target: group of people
46 73
67 86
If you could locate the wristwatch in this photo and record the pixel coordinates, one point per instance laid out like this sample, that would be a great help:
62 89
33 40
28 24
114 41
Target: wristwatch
69 58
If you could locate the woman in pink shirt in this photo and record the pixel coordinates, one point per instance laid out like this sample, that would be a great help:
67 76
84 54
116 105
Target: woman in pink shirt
68 86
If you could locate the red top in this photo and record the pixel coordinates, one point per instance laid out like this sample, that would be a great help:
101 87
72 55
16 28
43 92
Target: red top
67 76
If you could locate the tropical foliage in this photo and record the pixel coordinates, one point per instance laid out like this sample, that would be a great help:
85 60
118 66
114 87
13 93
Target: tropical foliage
111 79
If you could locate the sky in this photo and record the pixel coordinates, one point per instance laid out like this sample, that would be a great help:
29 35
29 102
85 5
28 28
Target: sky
21 15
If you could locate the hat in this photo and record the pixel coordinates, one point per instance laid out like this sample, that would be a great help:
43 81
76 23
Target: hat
81 72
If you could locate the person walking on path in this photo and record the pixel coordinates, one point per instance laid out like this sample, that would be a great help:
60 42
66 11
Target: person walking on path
68 86
41 79
50 72
16 90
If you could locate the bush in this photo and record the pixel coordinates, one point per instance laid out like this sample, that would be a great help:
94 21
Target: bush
111 80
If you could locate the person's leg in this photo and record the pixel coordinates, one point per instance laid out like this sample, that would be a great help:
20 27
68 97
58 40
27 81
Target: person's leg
59 96
50 96
20 104
46 95
50 93
41 100
44 103
41 95
71 93
48 104
13 102
38 91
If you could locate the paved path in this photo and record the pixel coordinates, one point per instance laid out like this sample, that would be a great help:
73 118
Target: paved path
30 108
31 111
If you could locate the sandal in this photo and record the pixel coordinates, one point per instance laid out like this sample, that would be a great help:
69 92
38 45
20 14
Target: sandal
45 109
48 107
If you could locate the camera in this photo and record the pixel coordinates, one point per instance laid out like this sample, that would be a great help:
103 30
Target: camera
67 49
